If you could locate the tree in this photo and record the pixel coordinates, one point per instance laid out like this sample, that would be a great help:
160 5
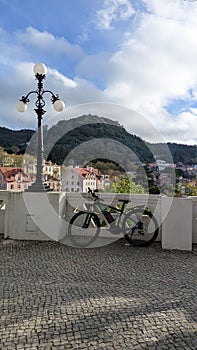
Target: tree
148 178
126 185
190 190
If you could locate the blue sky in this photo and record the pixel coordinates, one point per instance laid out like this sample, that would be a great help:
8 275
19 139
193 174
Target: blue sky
140 55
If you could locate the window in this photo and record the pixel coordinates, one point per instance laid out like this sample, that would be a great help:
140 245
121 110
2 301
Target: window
19 185
11 187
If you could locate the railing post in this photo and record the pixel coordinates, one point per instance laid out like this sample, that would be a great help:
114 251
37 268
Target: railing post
176 223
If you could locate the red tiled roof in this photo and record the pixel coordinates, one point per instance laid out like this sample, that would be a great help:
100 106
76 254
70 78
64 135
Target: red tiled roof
8 172
81 171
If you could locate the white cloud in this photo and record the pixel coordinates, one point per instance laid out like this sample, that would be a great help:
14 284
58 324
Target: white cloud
71 91
112 11
172 9
155 65
182 128
48 42
158 60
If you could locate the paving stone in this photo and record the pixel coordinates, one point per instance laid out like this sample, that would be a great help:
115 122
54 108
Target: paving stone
114 297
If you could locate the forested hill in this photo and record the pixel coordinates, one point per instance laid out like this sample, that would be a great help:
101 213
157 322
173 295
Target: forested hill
14 140
101 132
67 135
184 154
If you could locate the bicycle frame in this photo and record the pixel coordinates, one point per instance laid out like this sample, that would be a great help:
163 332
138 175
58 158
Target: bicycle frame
100 207
134 223
137 224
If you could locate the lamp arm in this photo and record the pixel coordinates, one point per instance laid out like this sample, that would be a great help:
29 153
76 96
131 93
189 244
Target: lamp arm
25 99
54 97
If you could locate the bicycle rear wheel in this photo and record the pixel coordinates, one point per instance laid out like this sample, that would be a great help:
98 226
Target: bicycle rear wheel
83 229
140 227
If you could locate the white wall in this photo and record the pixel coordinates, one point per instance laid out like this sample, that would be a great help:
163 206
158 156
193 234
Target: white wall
3 207
194 219
32 216
38 216
176 223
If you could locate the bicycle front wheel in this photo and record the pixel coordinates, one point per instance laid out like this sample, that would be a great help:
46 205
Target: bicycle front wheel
140 227
83 229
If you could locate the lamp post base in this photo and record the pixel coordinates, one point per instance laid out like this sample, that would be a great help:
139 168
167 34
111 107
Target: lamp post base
38 187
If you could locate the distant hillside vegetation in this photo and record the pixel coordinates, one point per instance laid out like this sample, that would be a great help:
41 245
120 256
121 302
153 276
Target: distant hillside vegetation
14 140
85 128
67 135
180 153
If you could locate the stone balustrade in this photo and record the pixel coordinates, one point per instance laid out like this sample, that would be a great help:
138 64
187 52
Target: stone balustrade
45 216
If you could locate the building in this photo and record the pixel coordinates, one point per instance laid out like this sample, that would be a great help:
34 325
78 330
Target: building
52 183
103 182
162 164
14 179
76 179
71 181
51 169
51 172
52 176
19 179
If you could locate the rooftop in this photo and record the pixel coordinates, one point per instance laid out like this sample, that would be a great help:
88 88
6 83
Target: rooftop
115 297
8 173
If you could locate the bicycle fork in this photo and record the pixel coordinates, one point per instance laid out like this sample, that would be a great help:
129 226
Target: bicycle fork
87 221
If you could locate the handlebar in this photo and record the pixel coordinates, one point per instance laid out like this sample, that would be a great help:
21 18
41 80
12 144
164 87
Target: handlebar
92 193
96 198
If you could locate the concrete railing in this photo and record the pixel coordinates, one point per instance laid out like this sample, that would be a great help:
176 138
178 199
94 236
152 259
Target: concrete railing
45 216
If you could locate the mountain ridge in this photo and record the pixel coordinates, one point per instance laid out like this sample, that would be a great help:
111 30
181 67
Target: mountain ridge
68 134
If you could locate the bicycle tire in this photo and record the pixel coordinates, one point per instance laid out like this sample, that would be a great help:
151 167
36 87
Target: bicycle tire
83 229
140 227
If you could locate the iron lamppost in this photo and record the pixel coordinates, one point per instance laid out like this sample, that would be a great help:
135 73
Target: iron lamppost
21 106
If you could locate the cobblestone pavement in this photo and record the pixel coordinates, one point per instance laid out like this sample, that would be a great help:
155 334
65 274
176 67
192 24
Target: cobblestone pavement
115 297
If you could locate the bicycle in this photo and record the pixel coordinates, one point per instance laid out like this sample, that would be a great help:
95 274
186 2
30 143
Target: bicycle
138 224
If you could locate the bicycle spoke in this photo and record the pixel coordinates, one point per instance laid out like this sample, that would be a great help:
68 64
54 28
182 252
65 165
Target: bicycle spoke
140 228
83 229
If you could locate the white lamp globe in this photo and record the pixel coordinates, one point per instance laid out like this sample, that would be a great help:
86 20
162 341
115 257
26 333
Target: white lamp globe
59 105
40 68
21 106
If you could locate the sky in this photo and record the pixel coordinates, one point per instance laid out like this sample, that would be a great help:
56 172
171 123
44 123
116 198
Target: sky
134 61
